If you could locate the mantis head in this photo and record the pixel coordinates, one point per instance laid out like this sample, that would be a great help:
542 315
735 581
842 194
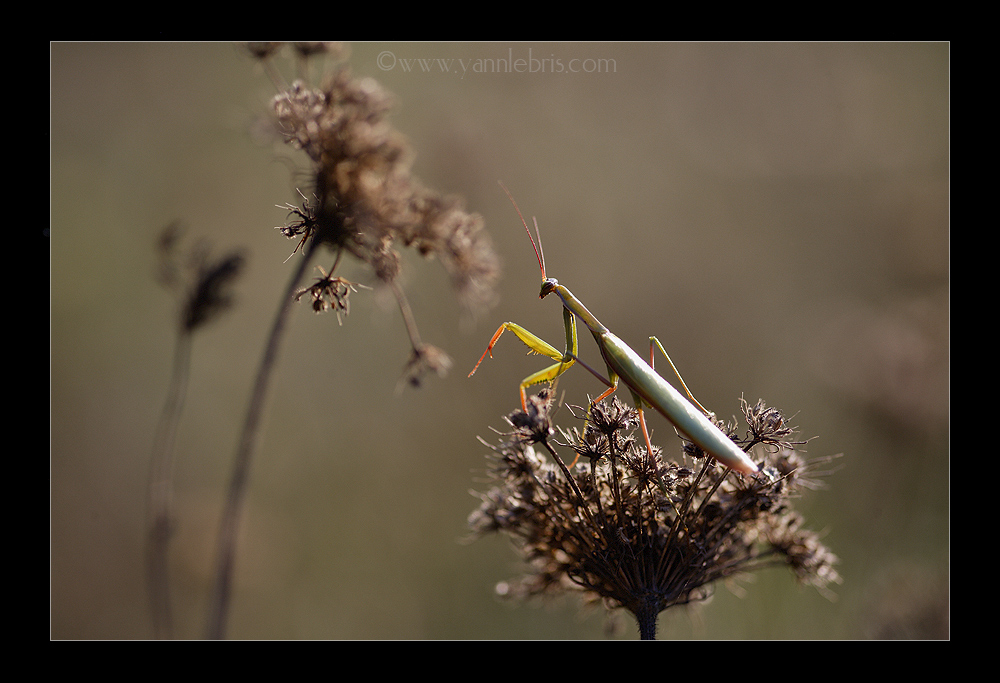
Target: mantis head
549 285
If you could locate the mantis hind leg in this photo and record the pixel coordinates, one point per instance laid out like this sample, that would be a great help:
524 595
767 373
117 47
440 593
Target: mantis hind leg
654 340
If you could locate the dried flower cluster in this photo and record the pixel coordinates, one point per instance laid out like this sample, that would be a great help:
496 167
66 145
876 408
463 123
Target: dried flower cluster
638 532
204 283
366 203
330 292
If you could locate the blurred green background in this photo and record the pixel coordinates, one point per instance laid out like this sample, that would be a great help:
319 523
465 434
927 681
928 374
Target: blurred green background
777 214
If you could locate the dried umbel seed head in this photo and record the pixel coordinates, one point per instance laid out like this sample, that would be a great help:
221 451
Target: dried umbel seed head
205 282
366 199
767 425
533 425
211 293
425 358
366 203
633 531
331 293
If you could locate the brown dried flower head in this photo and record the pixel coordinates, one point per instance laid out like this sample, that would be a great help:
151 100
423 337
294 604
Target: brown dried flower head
634 531
366 200
333 293
204 282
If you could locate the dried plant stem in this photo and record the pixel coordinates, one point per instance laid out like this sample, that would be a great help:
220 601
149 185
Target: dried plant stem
161 491
647 618
229 527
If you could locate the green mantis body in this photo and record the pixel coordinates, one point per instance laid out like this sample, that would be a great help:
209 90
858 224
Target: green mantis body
648 388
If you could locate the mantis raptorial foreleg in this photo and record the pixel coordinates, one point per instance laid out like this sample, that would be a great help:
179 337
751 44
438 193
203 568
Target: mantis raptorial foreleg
540 346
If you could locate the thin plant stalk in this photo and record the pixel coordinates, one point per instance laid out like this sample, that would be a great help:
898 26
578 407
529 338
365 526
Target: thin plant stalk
203 284
161 491
229 527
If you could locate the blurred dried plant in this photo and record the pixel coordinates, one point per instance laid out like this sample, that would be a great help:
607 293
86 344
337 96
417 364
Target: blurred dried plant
362 202
644 533
203 287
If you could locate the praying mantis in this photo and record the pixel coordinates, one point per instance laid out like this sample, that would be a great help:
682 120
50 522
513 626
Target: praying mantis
647 387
